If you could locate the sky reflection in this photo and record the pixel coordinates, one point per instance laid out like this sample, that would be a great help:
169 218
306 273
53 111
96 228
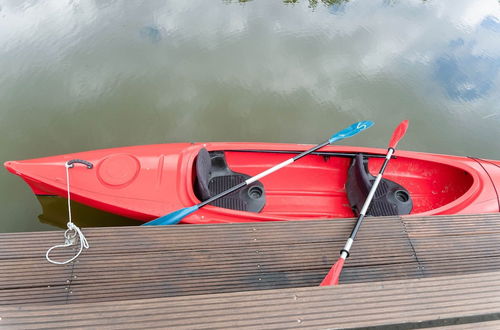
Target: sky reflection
466 71
80 75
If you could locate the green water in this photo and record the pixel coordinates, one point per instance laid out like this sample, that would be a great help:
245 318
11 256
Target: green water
82 75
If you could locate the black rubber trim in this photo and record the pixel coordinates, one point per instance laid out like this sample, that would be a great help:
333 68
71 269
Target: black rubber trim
319 153
81 161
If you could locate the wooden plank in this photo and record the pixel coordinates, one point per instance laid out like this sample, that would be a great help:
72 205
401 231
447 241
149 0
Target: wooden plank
189 237
480 324
35 295
428 301
147 262
171 260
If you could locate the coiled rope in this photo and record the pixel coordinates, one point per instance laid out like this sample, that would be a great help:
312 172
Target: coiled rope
71 232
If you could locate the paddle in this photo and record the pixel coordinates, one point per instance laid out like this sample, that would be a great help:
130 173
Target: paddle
332 278
176 216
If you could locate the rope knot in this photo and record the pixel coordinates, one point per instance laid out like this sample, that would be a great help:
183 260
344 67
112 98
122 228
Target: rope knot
70 238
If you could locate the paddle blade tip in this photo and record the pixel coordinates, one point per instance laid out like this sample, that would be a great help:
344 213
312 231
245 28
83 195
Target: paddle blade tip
398 134
365 123
332 278
351 130
172 218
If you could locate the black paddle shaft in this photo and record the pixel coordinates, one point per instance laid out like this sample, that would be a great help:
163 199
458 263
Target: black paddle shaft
307 152
368 200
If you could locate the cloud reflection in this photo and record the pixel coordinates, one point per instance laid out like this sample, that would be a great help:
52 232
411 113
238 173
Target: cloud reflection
81 75
466 71
181 60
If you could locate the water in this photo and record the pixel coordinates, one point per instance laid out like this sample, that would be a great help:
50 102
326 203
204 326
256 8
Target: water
79 76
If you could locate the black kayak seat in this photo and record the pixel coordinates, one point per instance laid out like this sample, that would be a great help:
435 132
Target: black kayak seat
390 198
214 176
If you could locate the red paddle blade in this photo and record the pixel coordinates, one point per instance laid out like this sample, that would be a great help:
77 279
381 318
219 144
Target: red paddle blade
398 134
332 278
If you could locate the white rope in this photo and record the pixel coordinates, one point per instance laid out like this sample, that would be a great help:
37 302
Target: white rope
71 232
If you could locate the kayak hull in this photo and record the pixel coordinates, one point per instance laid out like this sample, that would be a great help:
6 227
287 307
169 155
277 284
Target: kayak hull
145 182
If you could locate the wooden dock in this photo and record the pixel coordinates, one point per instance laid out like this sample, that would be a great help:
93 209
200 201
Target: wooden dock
404 272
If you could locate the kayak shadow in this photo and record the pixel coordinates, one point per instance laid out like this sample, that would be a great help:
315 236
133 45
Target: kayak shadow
55 213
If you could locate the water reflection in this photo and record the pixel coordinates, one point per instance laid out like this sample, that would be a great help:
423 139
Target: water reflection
88 75
312 3
152 32
466 70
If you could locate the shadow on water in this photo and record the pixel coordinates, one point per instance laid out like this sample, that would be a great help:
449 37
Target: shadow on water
55 213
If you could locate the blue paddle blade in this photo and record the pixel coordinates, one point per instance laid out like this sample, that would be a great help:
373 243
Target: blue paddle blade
172 218
351 130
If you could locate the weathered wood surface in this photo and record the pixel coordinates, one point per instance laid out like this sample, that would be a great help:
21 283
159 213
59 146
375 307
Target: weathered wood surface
152 262
480 324
402 304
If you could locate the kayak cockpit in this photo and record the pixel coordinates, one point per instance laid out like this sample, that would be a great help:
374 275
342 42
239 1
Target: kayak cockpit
315 186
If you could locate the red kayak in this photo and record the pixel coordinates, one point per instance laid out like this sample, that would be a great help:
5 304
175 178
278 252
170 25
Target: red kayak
145 182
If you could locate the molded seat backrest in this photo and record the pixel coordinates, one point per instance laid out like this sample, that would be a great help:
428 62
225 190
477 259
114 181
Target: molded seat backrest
213 176
203 173
390 198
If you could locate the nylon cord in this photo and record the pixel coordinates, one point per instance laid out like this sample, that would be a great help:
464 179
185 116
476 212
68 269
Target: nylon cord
69 237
